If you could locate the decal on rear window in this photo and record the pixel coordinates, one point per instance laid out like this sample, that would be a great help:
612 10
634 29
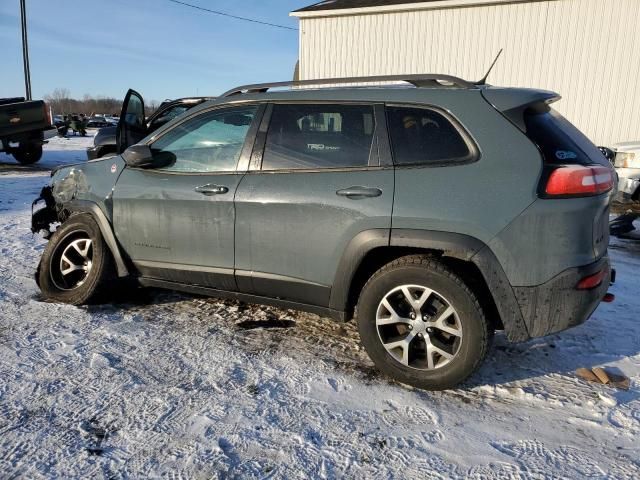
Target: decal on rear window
566 155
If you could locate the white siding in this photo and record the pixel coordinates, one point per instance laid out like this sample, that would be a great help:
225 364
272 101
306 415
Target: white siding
586 50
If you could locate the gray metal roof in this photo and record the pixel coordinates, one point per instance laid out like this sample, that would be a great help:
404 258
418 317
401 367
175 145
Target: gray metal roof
342 4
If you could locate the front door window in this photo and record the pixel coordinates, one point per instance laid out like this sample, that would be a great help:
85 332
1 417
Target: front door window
211 142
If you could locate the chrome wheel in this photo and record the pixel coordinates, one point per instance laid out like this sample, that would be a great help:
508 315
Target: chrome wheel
72 261
419 327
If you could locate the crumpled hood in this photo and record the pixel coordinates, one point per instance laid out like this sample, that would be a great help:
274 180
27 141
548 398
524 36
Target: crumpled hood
93 181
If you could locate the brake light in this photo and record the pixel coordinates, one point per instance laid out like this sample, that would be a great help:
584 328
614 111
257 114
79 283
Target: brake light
47 113
592 281
579 180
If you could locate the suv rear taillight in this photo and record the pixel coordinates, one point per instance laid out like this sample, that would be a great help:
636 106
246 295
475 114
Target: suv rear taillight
579 181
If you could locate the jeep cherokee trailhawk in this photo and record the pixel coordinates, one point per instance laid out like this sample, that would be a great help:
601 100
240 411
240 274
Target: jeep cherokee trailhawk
435 212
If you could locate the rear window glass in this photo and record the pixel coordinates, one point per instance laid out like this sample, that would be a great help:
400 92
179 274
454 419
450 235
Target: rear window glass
558 139
424 136
319 136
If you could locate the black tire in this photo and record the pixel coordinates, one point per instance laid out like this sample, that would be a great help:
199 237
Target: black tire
28 155
58 288
472 346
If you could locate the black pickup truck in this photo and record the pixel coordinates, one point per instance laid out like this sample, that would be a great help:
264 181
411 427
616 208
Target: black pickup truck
22 128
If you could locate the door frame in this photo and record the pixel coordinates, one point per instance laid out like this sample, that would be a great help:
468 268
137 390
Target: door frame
122 127
242 166
380 158
181 273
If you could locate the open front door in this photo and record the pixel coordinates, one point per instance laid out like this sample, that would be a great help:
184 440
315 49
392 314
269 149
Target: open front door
132 125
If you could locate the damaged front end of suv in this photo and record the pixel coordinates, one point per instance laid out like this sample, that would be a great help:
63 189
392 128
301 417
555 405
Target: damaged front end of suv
71 189
83 189
67 184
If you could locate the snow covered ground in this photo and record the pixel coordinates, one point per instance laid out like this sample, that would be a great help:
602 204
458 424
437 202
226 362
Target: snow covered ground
164 384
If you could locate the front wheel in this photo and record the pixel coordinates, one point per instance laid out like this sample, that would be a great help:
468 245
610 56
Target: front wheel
76 263
421 325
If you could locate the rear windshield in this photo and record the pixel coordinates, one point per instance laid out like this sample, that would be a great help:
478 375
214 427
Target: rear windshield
558 139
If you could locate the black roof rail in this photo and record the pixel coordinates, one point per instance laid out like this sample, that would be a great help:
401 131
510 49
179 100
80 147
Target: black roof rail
417 80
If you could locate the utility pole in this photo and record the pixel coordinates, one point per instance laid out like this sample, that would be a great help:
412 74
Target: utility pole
25 49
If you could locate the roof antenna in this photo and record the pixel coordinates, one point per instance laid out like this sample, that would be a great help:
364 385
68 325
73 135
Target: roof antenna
483 81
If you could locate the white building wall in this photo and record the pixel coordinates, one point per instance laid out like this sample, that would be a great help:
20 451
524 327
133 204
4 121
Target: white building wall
587 50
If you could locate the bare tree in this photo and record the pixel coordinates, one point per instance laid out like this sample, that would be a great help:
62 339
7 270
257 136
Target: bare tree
151 107
59 100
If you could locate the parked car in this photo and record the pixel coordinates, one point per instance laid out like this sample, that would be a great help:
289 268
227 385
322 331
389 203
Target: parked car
97 122
435 215
24 127
104 143
627 164
626 159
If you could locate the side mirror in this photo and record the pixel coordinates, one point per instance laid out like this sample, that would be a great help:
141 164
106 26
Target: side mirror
138 156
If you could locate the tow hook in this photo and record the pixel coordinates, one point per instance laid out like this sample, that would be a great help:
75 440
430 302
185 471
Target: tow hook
609 298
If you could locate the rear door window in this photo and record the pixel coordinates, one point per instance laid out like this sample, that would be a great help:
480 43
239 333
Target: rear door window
303 136
422 136
558 139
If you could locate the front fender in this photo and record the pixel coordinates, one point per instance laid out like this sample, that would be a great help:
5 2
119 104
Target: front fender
85 206
53 212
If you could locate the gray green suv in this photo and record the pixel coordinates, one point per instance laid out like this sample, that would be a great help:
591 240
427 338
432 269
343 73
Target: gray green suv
434 212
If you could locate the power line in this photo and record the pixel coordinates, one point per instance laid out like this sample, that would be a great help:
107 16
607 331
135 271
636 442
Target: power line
233 16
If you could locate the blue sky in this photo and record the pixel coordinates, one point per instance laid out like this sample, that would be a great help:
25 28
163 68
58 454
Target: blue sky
163 50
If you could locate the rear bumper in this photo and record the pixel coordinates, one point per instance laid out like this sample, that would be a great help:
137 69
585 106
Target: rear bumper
557 305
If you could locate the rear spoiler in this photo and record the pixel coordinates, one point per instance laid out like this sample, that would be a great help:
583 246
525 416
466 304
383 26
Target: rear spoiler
512 102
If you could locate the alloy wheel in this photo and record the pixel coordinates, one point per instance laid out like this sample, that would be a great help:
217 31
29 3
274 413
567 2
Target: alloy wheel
72 261
419 327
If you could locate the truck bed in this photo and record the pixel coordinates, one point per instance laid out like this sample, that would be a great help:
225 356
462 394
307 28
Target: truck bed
18 117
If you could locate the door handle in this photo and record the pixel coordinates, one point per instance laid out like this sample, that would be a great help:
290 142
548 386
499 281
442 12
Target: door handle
359 192
210 189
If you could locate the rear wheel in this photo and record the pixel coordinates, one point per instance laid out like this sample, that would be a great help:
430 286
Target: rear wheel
76 262
421 325
28 154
